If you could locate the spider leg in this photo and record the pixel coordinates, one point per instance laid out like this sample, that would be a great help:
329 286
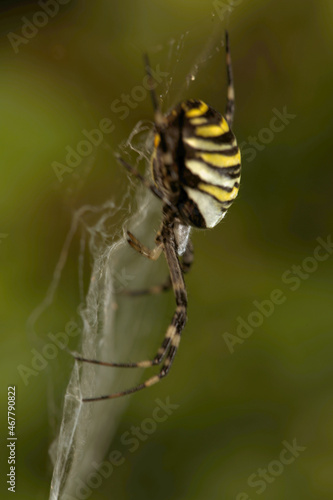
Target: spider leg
142 249
139 364
158 116
163 287
188 257
150 254
173 333
230 106
149 185
160 120
152 290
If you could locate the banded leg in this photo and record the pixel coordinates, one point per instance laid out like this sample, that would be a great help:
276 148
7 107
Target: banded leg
142 249
150 254
188 257
160 123
230 106
170 344
139 364
173 334
159 119
152 290
145 182
164 287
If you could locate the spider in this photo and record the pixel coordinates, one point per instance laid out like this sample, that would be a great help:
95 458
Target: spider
196 172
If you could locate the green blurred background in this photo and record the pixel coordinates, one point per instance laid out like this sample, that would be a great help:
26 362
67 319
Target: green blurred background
235 410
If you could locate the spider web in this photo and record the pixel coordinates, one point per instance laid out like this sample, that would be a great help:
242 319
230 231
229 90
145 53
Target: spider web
114 328
109 332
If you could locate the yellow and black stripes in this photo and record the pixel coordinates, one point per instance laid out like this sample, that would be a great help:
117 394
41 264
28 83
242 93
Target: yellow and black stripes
209 169
202 174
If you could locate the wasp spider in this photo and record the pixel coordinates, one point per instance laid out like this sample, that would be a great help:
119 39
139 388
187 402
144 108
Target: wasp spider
196 172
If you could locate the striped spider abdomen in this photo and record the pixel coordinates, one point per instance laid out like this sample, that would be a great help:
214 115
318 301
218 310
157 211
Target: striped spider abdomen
198 164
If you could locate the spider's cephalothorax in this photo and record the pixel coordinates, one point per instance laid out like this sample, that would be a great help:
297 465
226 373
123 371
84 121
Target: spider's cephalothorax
196 172
197 166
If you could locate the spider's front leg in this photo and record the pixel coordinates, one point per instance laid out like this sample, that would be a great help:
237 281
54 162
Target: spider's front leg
186 265
150 254
142 249
149 185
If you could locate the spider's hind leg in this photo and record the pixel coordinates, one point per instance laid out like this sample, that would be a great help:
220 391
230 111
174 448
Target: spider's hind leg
170 344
